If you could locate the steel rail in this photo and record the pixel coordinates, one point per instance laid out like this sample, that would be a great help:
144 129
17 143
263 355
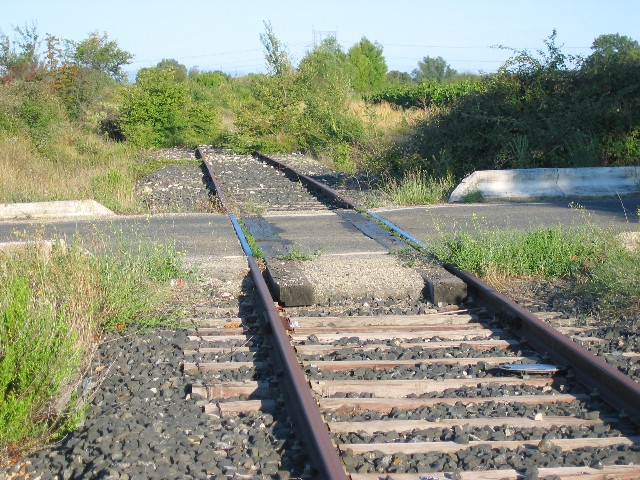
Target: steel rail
613 386
348 202
300 403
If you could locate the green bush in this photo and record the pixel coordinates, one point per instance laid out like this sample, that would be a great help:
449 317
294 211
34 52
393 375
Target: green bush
30 108
162 111
544 110
54 303
39 357
426 94
266 110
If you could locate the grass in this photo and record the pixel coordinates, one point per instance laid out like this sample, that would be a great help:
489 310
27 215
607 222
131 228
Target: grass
549 253
256 251
474 197
79 166
299 255
39 357
384 117
594 260
54 304
416 187
616 282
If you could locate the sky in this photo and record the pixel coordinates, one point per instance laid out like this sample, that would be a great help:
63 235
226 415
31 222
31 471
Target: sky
225 35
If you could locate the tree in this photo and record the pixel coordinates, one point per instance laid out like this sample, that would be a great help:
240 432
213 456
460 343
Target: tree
325 76
397 77
610 49
209 79
431 68
19 58
327 65
369 64
547 62
98 54
179 70
278 61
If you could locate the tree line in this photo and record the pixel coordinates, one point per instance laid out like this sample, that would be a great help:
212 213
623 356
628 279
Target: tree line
541 108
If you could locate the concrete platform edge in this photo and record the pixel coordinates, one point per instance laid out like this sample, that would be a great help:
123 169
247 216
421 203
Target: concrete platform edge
56 209
527 184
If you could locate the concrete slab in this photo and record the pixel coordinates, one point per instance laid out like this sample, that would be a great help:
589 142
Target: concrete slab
57 209
374 230
547 183
442 287
289 283
360 277
342 262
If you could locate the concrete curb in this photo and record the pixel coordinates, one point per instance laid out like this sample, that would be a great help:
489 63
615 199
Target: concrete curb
540 183
65 208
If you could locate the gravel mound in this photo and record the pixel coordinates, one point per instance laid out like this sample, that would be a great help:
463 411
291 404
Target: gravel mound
142 423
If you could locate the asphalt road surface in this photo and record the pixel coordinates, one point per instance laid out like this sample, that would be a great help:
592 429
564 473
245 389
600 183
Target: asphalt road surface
212 234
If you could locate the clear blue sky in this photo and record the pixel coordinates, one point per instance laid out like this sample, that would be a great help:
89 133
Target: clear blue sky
225 34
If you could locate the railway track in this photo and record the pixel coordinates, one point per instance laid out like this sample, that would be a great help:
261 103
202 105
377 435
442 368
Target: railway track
411 396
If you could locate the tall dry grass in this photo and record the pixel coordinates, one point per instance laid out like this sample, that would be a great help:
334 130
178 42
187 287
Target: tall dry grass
77 165
384 117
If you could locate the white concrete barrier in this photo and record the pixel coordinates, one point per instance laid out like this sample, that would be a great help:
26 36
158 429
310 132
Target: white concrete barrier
541 183
64 208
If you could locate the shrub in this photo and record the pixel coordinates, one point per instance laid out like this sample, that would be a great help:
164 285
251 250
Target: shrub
426 94
31 109
416 187
152 109
39 358
545 110
54 303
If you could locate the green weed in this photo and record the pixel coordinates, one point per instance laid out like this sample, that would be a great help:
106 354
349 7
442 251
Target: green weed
616 282
256 251
474 197
113 188
55 300
548 252
39 358
299 255
520 147
416 187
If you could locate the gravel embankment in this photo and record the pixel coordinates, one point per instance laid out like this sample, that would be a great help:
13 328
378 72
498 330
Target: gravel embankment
142 422
177 188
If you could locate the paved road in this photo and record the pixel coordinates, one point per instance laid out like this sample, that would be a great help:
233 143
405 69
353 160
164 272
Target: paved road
212 235
426 222
196 234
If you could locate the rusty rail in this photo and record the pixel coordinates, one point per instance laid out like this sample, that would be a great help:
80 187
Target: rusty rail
300 404
346 201
614 387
